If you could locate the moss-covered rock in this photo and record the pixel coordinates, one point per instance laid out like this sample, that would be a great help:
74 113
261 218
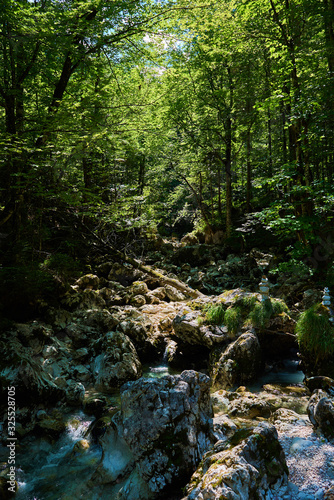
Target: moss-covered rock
250 465
236 364
315 336
321 412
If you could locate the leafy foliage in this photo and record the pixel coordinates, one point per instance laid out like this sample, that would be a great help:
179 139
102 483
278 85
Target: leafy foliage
168 114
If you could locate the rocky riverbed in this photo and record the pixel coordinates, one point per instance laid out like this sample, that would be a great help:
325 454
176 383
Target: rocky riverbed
127 391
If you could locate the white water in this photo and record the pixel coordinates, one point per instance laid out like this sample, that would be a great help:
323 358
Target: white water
54 471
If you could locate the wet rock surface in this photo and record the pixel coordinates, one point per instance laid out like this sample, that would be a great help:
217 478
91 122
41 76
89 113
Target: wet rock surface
321 412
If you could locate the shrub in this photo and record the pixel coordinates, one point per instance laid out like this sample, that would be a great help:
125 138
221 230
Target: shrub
315 334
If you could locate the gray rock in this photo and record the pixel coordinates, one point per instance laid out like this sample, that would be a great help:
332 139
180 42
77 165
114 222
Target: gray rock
138 300
101 320
252 469
158 293
173 294
80 353
81 373
189 329
321 412
88 281
164 427
139 288
117 363
75 392
240 362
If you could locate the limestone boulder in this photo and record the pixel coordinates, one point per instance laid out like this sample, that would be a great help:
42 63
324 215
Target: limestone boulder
87 282
321 412
117 362
254 468
173 294
189 329
156 295
96 319
159 436
139 288
236 364
75 392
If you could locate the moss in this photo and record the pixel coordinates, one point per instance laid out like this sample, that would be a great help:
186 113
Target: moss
239 436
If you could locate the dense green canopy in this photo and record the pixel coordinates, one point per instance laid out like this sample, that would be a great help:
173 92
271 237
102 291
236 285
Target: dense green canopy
218 115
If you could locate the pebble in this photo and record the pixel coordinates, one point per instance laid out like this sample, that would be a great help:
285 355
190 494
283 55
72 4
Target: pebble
310 460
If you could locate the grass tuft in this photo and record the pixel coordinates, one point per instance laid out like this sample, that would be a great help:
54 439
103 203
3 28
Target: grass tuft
233 319
315 334
215 315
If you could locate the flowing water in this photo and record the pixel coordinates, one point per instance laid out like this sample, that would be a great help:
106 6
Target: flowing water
61 470
287 374
54 471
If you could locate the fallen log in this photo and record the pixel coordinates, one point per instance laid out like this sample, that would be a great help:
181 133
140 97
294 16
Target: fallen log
164 280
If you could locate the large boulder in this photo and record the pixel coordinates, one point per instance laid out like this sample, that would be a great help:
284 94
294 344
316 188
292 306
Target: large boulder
238 363
117 362
321 412
254 468
190 330
159 436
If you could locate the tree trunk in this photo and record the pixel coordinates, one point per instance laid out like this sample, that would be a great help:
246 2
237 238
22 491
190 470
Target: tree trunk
329 32
249 172
228 158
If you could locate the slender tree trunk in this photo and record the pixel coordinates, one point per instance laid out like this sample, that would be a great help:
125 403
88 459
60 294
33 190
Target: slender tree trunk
270 145
228 158
329 32
141 174
219 174
249 171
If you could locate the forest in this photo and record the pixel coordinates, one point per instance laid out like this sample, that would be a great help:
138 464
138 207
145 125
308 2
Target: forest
124 120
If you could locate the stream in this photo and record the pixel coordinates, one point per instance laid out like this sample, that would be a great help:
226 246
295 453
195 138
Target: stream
61 470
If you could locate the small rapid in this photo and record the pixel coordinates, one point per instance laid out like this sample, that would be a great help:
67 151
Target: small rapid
53 470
